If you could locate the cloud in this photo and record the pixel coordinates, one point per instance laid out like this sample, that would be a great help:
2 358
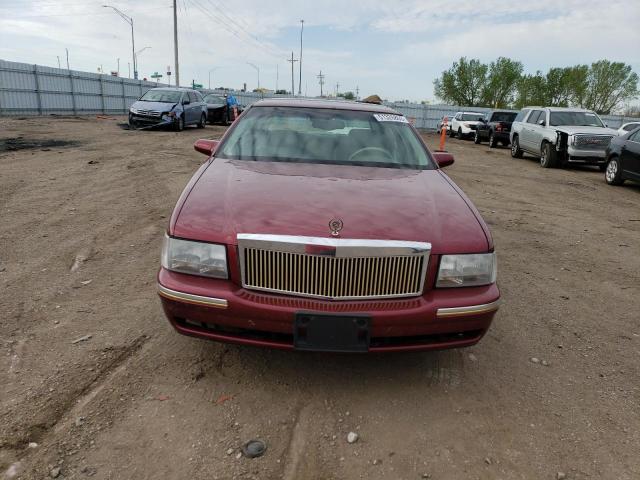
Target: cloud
393 48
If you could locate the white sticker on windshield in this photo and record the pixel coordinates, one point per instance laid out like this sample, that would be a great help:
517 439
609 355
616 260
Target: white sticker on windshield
387 117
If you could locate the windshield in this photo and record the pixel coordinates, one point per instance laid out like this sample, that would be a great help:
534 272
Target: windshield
164 96
503 116
215 99
578 119
470 117
318 135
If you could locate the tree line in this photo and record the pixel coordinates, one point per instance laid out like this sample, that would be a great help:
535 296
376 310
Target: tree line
603 86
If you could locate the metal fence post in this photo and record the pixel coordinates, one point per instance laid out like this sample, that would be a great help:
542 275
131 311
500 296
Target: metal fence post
73 93
124 97
38 95
104 109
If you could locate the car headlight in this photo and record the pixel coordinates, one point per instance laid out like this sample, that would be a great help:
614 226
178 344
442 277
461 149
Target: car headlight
469 270
133 110
195 258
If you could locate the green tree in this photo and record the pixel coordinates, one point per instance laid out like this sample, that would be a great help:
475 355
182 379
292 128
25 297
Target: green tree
609 85
531 90
502 80
566 86
347 95
463 83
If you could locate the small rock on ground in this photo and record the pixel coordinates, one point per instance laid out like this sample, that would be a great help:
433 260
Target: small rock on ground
352 437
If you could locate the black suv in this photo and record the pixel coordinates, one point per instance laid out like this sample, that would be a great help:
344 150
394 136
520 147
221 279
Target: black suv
495 127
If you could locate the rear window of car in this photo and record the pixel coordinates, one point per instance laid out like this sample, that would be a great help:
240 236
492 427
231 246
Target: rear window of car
503 116
192 97
470 117
325 136
535 116
631 126
521 114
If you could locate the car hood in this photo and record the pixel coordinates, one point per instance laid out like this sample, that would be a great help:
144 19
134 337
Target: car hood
594 130
156 106
232 197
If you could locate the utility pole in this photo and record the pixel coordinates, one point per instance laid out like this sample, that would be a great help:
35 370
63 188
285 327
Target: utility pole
175 42
118 67
337 89
67 50
58 60
357 92
293 87
277 74
300 65
321 81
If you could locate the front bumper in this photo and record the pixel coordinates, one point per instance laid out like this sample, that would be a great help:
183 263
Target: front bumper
220 310
589 157
136 120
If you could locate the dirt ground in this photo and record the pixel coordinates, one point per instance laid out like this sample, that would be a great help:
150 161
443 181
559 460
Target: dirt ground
95 383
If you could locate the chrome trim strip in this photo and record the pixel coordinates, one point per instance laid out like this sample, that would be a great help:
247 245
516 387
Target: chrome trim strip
333 247
470 310
190 298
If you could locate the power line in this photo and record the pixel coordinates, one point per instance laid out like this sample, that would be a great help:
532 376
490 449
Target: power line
226 25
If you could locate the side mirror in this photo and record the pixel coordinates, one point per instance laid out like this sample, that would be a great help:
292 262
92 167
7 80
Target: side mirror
206 146
481 119
186 102
542 123
443 159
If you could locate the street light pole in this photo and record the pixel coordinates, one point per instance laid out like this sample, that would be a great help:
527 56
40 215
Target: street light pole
300 65
129 20
257 70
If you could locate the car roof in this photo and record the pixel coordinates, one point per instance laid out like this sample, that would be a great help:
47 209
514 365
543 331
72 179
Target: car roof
324 103
559 109
176 89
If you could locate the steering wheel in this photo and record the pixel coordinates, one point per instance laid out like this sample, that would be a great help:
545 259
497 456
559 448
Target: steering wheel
371 149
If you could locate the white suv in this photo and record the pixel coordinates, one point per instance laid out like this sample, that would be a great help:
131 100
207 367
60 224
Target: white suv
464 124
560 136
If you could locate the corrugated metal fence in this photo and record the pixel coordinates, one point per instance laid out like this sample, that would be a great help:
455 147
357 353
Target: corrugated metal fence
27 89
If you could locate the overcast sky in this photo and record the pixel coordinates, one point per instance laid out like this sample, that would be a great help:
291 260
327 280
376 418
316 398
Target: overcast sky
392 48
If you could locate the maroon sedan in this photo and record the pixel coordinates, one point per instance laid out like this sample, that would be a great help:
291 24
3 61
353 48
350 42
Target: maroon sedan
327 226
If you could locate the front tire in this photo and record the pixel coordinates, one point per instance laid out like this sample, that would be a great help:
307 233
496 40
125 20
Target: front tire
548 158
203 121
613 172
459 136
516 152
179 125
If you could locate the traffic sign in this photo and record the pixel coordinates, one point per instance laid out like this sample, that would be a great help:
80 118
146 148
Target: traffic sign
156 75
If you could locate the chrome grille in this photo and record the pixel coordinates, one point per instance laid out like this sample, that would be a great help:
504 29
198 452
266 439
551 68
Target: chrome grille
333 268
148 113
592 142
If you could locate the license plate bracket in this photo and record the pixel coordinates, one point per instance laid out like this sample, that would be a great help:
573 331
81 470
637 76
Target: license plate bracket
331 333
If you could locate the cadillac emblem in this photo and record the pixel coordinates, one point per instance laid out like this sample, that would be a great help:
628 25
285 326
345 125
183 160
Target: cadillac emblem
335 226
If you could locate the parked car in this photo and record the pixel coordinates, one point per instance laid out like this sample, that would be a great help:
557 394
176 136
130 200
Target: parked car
441 123
166 106
627 127
623 158
464 124
329 226
495 126
218 109
560 136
